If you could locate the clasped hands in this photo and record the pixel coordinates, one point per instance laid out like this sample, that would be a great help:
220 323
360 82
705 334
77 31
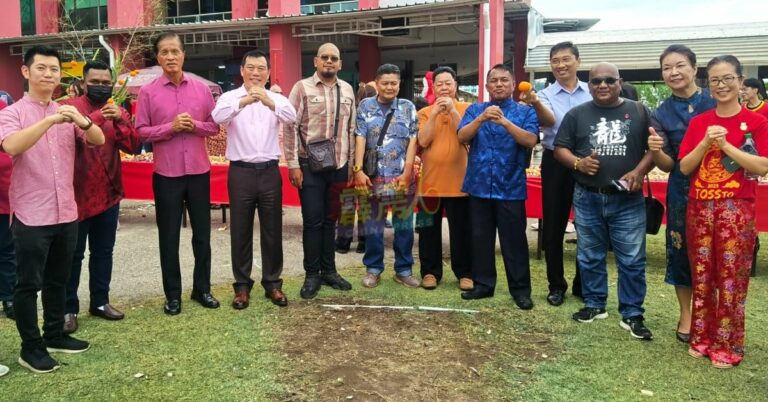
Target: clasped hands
716 135
258 94
183 122
69 114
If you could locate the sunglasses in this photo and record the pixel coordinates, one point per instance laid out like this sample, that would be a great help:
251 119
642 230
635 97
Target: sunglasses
326 57
599 81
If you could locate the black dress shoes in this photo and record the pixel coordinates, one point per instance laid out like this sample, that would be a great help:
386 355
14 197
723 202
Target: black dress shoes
277 297
311 287
172 307
9 311
523 302
479 292
107 312
556 297
205 299
335 281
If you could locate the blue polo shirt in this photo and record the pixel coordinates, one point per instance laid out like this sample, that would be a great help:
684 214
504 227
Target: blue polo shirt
496 166
560 101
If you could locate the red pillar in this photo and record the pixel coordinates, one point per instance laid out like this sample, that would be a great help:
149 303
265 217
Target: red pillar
284 48
128 14
285 56
491 48
520 32
10 20
284 8
46 16
367 4
369 58
11 80
244 9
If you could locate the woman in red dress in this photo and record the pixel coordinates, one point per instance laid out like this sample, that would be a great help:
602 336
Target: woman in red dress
721 213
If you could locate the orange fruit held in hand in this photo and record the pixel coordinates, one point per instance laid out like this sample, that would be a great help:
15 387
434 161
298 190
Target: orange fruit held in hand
110 101
524 86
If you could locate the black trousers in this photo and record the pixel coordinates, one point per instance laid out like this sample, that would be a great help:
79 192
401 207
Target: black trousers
508 218
44 258
7 260
172 194
320 197
556 197
429 225
252 190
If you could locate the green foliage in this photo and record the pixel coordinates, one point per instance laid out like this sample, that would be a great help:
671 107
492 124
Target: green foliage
652 93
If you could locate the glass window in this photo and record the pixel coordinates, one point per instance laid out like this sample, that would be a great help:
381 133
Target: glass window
84 14
28 17
180 11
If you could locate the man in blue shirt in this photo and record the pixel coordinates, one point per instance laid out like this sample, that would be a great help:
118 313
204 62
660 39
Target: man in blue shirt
499 132
556 180
393 185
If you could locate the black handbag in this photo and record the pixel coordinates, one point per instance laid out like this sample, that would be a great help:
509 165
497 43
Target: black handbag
322 154
371 158
654 211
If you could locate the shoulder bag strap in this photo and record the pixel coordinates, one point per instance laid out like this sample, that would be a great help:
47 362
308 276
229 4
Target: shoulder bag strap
386 123
338 109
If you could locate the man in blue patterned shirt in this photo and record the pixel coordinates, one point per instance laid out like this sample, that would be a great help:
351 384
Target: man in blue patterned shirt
499 132
393 186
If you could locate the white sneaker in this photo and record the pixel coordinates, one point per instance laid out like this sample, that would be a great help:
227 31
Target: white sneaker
570 228
3 370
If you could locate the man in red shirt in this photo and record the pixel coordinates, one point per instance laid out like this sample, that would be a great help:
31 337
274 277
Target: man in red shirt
98 191
40 135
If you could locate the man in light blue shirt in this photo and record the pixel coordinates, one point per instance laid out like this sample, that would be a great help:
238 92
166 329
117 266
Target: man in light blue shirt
556 180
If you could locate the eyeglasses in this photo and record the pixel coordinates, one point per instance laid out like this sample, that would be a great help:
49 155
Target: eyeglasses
727 80
326 57
599 81
564 60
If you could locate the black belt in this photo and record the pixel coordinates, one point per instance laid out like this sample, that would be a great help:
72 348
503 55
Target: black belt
257 166
602 190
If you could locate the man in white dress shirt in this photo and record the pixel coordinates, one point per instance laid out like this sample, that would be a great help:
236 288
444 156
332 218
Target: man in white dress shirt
252 117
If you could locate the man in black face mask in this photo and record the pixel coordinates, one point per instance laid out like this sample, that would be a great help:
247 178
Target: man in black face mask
98 191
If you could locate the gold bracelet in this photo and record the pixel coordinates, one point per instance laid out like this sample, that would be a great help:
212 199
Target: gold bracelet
576 164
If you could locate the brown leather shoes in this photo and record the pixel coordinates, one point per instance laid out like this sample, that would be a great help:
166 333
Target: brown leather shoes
241 300
70 323
466 284
429 281
277 297
107 312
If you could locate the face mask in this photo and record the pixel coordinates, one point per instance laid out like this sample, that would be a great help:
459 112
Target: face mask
99 94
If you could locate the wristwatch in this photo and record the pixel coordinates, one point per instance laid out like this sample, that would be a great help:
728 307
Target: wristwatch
87 126
356 168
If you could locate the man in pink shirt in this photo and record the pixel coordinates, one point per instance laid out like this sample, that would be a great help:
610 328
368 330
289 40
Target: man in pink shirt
40 135
252 116
174 114
7 256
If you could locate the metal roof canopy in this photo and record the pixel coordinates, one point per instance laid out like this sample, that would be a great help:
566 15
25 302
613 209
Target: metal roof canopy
640 49
325 26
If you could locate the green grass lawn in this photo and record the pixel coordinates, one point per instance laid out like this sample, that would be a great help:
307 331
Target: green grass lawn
538 355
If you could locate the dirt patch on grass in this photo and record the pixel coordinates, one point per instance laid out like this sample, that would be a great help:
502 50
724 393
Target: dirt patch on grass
383 355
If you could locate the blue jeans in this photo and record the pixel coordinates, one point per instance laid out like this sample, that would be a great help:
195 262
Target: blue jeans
7 260
620 220
402 222
100 231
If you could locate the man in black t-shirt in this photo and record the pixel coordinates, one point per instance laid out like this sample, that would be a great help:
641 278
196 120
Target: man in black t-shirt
604 142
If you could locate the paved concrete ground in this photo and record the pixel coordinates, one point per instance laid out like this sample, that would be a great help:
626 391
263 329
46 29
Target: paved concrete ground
136 272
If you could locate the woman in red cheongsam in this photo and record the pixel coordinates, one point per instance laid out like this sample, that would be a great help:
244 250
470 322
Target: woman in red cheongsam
721 213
